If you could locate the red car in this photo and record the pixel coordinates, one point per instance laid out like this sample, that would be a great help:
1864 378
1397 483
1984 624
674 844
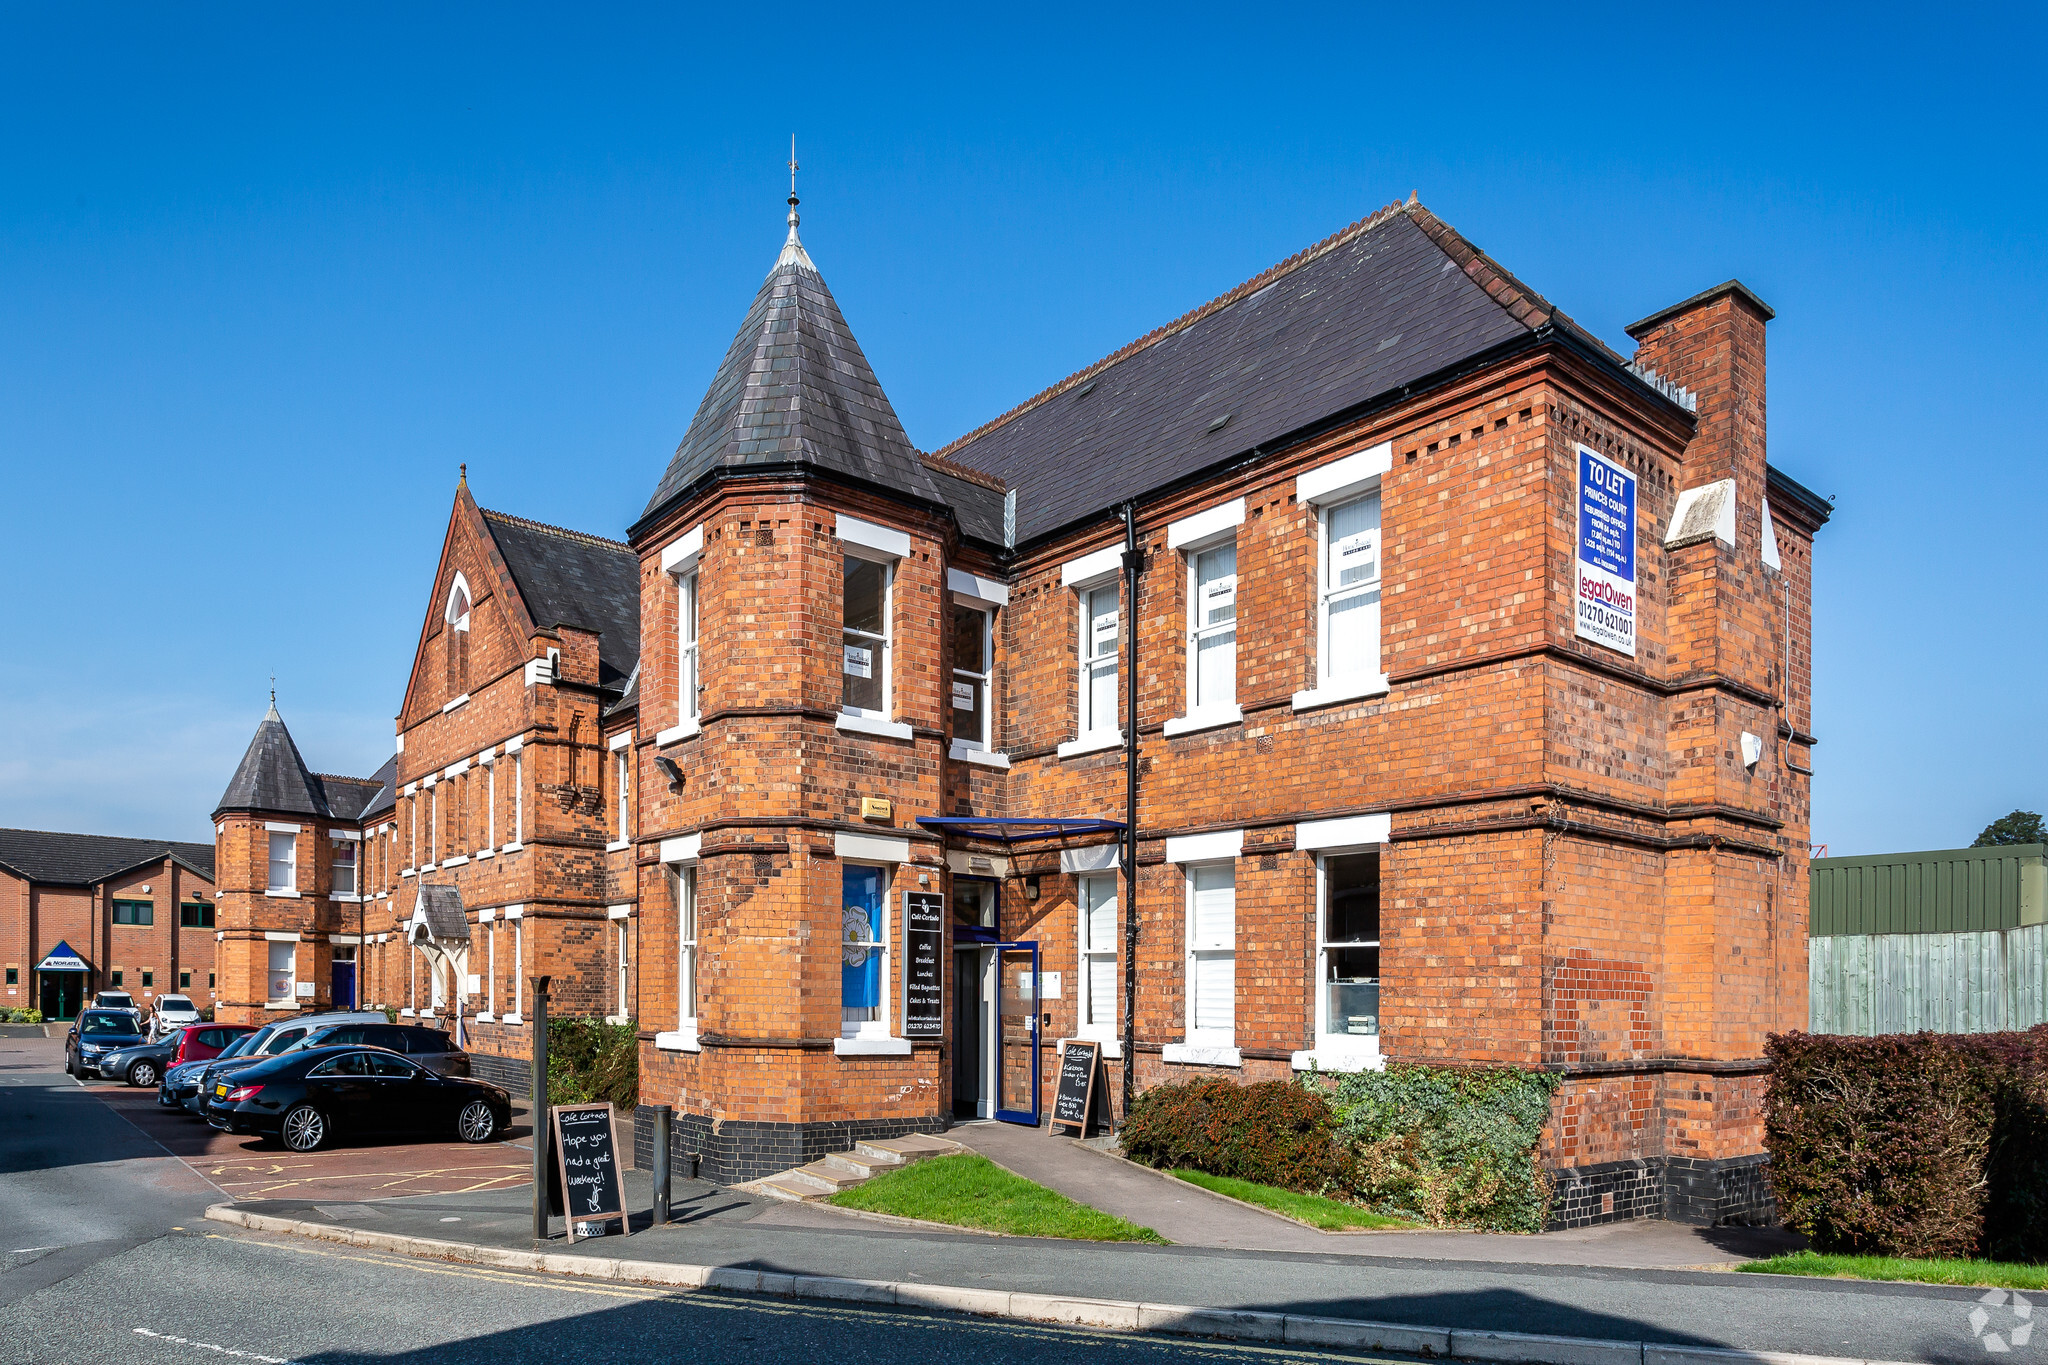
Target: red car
200 1041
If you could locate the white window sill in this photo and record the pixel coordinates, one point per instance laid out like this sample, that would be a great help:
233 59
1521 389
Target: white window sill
457 861
871 1047
985 757
348 896
485 1018
1200 1054
616 1019
1112 1048
1340 1057
1205 720
1092 744
281 894
615 845
455 704
410 872
675 734
512 1019
1342 689
487 853
405 1014
867 725
682 1040
511 848
427 867
280 1004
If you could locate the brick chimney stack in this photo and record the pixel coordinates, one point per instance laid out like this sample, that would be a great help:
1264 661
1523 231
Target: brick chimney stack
1713 344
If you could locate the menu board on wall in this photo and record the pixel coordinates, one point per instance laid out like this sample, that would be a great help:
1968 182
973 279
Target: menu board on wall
924 935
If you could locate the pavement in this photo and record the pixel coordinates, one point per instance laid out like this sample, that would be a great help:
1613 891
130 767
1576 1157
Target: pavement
1192 1216
113 1247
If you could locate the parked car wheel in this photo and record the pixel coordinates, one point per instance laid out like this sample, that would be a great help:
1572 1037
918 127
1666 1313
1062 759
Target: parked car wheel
477 1123
70 1067
143 1073
304 1128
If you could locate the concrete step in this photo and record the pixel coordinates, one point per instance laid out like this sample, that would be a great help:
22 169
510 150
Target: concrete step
911 1147
775 1187
866 1167
829 1179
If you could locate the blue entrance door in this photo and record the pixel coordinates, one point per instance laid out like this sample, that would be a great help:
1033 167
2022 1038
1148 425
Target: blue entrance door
1017 1029
342 976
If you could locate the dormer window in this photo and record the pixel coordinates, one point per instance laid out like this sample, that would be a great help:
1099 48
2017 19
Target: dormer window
458 637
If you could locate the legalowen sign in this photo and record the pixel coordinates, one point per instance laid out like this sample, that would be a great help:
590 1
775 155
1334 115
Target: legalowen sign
1605 594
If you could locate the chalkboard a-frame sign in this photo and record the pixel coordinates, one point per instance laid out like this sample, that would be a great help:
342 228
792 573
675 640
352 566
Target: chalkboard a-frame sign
1074 1096
587 1156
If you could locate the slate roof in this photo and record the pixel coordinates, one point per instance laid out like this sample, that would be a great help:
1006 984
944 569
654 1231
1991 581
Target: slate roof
795 388
1391 300
272 776
386 796
86 859
442 906
570 578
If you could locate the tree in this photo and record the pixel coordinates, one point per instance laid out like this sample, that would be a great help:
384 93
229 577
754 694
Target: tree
2021 827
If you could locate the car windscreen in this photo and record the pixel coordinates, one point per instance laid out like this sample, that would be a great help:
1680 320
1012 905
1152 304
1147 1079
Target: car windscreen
173 1002
237 1048
281 1040
103 1025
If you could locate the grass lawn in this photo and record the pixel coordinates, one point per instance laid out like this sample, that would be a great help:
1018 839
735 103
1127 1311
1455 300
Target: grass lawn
1313 1209
970 1191
1992 1274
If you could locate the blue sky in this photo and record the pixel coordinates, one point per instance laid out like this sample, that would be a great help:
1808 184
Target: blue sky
267 276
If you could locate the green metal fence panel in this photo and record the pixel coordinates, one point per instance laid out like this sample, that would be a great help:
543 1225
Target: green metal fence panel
1944 891
1868 984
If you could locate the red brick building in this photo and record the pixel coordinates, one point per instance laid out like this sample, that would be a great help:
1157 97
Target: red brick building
1385 668
504 790
81 913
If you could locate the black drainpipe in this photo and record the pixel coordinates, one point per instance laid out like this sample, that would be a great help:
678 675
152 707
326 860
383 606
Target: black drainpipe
1130 850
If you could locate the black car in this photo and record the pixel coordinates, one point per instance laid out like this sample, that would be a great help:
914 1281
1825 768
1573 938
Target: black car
142 1064
304 1099
430 1047
96 1033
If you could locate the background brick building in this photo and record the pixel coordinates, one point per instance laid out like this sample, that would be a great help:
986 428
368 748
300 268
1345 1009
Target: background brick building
137 913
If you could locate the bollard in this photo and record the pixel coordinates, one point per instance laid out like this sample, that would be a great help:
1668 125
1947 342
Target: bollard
540 1107
661 1172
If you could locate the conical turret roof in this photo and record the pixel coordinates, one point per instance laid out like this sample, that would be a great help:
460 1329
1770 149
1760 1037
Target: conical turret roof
795 388
272 776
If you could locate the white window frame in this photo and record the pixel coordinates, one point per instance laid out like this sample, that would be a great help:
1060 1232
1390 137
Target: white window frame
1203 712
682 880
490 803
886 647
1198 1037
1094 957
518 798
877 1029
985 741
291 969
491 995
1343 483
1328 1040
1090 737
622 785
518 1014
433 828
687 650
353 862
291 864
625 965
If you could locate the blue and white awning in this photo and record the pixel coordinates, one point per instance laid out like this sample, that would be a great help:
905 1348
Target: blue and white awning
62 959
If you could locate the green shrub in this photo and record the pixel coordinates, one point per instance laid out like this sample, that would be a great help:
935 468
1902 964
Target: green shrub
1912 1145
590 1061
21 1016
1451 1147
1273 1133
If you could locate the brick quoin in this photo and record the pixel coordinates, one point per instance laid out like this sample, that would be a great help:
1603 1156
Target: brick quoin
1577 870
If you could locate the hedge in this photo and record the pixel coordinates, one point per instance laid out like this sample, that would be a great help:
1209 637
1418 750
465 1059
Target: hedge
21 1016
1912 1145
1272 1133
590 1061
1448 1146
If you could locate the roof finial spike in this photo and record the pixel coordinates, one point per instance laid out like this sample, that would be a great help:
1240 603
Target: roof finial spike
792 186
1412 199
462 481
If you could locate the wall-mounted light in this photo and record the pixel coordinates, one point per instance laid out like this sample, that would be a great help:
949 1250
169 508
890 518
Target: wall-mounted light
670 770
1031 888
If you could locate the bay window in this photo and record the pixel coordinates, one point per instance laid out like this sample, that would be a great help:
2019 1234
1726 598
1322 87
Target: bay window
283 972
